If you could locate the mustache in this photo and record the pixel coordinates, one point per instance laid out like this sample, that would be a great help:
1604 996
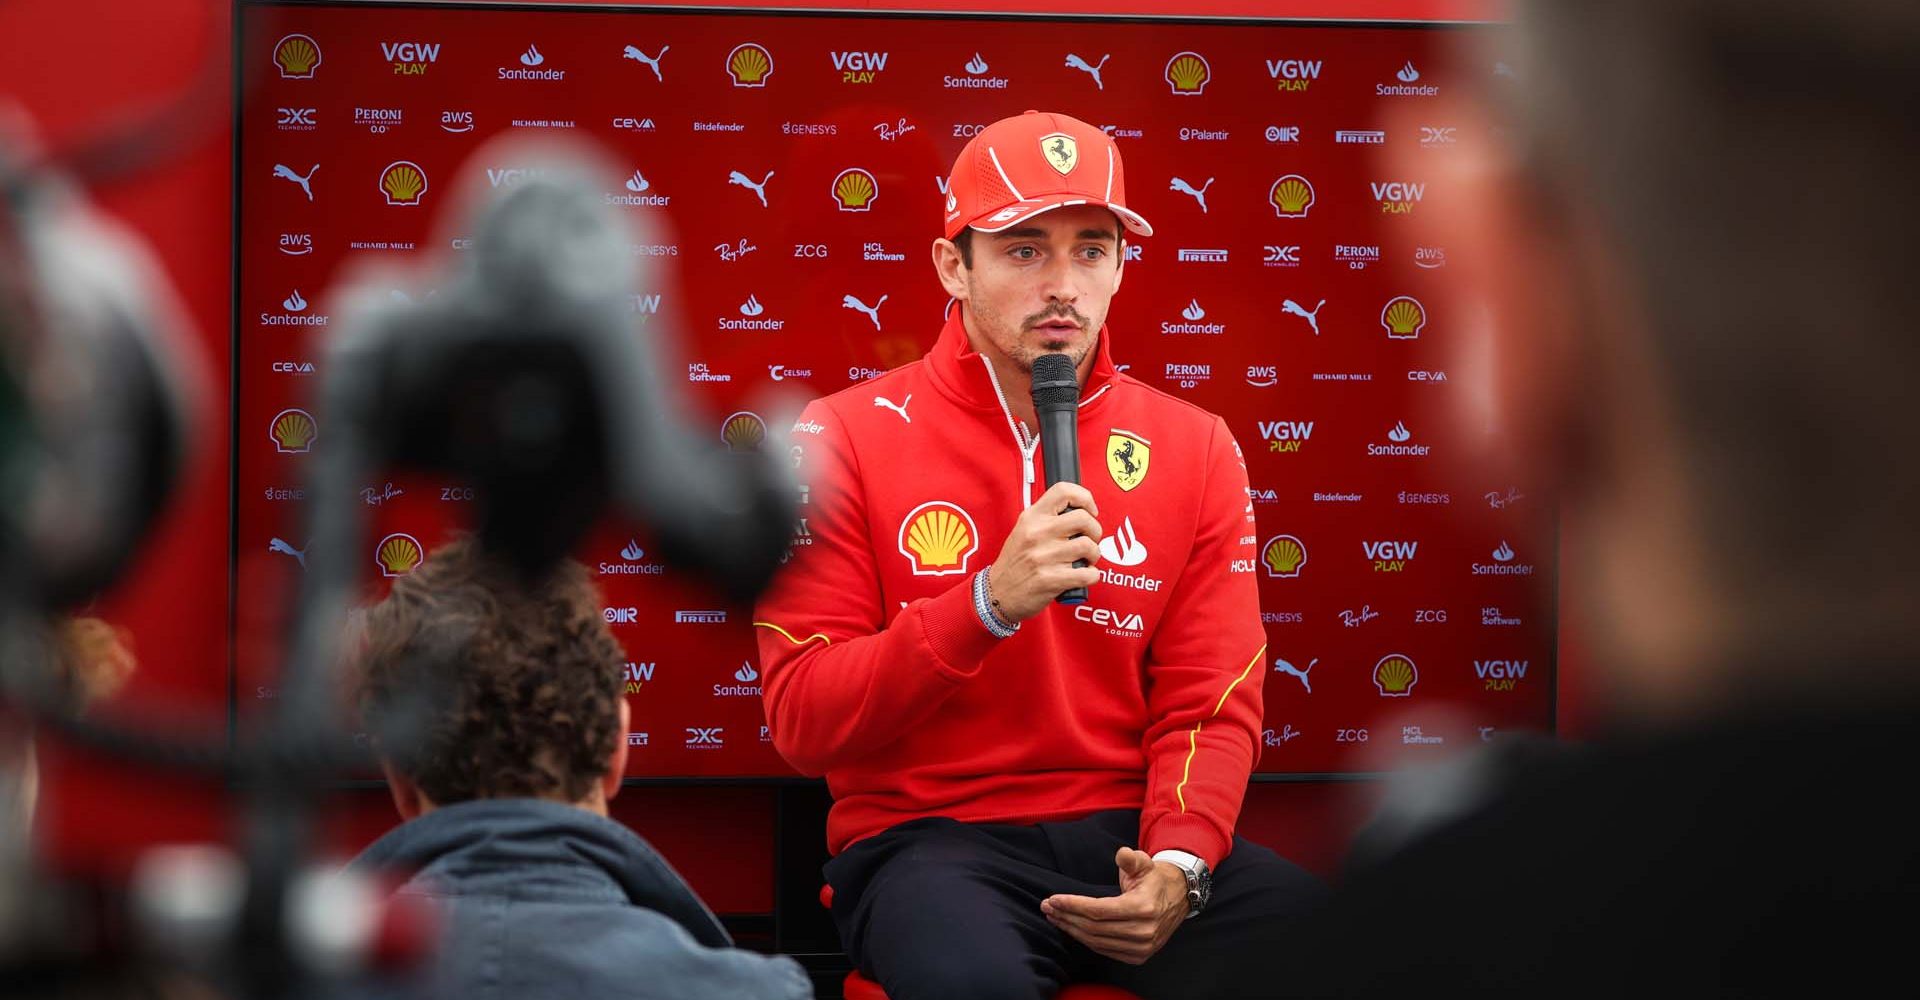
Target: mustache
1056 312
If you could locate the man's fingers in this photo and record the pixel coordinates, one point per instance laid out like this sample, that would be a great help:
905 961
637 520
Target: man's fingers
1101 907
1063 494
1119 951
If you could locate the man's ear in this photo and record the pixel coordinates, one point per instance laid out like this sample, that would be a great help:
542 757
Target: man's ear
408 800
617 760
952 269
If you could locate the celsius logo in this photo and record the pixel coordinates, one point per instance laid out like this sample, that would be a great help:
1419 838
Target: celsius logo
859 67
749 64
297 56
1398 197
1293 75
410 58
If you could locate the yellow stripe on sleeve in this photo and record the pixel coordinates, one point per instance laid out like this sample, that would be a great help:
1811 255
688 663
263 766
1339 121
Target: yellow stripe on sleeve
1193 736
817 635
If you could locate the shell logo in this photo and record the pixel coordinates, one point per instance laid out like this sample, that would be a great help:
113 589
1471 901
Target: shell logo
297 56
938 538
403 182
1188 73
854 190
1395 675
1284 556
743 431
293 432
398 554
749 64
1403 317
1291 196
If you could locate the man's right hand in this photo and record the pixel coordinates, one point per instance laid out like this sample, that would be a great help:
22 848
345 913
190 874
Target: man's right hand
1036 562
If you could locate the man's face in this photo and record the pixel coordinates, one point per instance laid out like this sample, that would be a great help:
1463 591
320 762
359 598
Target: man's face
1040 288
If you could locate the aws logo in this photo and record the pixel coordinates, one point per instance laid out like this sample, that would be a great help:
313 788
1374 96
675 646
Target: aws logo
410 58
1398 197
1285 436
1390 557
859 67
938 538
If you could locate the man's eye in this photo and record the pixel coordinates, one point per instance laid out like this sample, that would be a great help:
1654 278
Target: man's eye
1025 253
1095 253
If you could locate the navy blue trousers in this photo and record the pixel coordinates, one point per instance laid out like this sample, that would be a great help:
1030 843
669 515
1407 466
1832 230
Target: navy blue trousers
936 909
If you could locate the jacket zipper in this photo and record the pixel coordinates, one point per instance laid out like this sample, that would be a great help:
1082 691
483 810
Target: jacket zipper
1020 439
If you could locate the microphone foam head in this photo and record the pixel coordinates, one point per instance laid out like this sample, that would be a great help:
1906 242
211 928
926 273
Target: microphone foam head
1054 385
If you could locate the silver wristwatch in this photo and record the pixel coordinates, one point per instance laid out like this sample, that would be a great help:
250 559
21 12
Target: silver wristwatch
1199 879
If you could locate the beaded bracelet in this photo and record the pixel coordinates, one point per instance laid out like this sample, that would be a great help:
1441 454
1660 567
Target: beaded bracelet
985 608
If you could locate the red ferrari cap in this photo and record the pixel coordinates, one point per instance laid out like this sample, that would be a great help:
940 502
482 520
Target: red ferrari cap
1035 162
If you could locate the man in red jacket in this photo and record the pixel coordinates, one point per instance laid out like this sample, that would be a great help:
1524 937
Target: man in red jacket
1029 793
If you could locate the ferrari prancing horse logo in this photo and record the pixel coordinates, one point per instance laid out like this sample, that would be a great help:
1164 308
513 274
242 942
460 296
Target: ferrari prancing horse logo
1127 454
1062 153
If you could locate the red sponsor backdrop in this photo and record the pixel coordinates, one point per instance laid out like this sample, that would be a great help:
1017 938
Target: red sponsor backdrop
796 164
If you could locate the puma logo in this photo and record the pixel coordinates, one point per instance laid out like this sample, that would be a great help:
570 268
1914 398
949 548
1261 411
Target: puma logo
900 407
1312 318
634 53
744 181
1300 672
285 172
285 548
1200 196
1075 62
873 311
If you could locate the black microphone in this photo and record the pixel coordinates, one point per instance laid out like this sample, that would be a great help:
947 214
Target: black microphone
1056 403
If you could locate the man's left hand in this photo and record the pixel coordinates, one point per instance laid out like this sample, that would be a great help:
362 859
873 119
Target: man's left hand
1134 925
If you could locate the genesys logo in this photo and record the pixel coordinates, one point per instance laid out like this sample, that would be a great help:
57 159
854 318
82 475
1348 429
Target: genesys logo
410 58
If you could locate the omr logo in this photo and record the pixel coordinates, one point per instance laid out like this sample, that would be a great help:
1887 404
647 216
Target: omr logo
1293 75
1390 557
1398 197
410 58
859 67
297 56
1285 436
620 616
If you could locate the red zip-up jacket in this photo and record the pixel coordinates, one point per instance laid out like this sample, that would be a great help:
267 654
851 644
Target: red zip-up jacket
879 675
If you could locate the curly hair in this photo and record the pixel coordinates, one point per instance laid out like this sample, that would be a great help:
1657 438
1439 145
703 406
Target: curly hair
478 684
